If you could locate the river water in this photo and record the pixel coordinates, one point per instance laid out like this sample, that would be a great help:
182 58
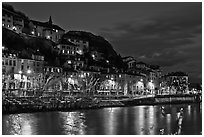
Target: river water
137 120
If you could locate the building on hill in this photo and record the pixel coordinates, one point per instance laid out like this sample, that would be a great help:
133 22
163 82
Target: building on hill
83 44
70 52
67 48
131 61
12 19
47 30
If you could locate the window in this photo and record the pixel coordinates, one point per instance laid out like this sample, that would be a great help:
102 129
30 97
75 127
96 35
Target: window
14 62
9 20
22 67
3 19
8 26
10 62
6 62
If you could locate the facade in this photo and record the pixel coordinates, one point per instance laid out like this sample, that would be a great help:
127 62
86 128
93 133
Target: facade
21 73
151 73
70 52
11 19
47 30
121 84
67 48
52 69
81 43
174 83
131 62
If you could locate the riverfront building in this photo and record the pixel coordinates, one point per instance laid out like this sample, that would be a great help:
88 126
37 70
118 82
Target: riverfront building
174 83
20 72
121 84
151 73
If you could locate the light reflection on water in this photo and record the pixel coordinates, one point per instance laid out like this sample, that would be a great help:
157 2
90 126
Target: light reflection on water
140 120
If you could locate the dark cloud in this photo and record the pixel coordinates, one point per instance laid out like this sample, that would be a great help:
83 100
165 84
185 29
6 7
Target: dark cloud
171 39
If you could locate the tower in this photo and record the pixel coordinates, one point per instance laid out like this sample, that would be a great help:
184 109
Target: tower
50 20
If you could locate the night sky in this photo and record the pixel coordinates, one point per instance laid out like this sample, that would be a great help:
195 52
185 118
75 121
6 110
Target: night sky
166 34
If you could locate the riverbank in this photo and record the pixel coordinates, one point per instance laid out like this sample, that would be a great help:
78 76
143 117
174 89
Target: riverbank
163 99
43 104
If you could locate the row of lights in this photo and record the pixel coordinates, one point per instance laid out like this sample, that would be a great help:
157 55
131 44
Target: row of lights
28 72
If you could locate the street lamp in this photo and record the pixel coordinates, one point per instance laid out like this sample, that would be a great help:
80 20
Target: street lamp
29 71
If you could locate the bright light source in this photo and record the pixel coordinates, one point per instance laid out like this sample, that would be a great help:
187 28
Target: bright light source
141 79
14 28
32 32
93 56
3 47
69 62
48 37
20 72
80 52
29 71
107 61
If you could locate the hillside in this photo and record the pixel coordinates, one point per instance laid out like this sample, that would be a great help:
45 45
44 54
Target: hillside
99 44
26 45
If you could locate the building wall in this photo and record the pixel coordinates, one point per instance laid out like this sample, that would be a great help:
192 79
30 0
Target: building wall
12 21
7 20
83 45
124 84
68 49
47 32
175 84
52 34
21 73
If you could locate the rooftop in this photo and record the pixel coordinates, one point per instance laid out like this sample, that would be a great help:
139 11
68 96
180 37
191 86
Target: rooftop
47 24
